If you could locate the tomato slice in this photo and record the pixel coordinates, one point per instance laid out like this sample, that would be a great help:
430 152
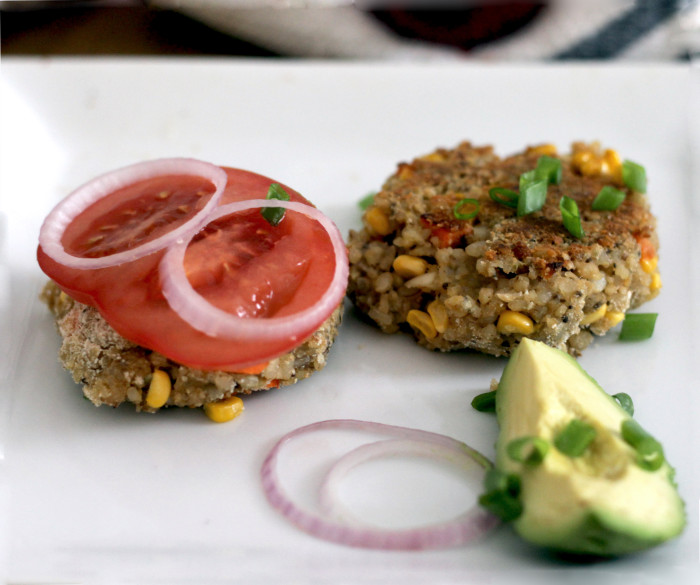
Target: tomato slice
136 214
239 263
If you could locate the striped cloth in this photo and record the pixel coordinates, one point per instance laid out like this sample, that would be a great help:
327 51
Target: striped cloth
493 30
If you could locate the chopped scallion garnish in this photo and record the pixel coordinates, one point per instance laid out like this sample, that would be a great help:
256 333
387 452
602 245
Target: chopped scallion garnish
575 437
485 402
632 432
570 216
533 194
527 178
549 169
366 201
625 401
502 496
532 186
634 176
532 197
650 453
504 196
472 205
496 479
638 326
274 215
608 199
528 450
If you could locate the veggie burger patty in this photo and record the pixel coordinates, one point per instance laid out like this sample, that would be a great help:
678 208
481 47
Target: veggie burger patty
114 370
176 282
464 249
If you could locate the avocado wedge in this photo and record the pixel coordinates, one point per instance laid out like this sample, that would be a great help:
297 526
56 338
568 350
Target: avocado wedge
574 471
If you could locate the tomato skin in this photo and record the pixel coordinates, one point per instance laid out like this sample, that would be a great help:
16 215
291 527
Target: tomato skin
128 296
243 185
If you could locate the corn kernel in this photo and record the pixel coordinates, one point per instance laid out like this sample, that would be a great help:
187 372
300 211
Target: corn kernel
224 410
433 157
656 283
514 322
409 266
438 313
378 221
579 158
612 162
543 150
159 389
405 172
594 316
612 318
423 322
612 157
592 167
649 264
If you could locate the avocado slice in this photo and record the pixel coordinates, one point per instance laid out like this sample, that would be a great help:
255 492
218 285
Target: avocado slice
573 470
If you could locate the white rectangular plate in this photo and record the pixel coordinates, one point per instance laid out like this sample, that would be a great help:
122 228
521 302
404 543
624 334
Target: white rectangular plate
92 495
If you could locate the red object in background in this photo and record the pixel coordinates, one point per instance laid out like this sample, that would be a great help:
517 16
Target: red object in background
464 28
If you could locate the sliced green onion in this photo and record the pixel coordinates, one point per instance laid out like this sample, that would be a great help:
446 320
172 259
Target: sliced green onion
634 176
502 496
625 401
274 215
527 178
495 479
473 204
502 505
506 197
632 432
575 437
485 402
532 197
608 199
650 453
549 169
528 450
638 326
570 216
366 201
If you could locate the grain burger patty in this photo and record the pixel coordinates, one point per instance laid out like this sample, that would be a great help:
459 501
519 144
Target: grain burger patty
482 275
183 275
114 370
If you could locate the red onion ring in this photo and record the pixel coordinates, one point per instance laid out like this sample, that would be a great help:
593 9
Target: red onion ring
68 209
209 319
463 529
